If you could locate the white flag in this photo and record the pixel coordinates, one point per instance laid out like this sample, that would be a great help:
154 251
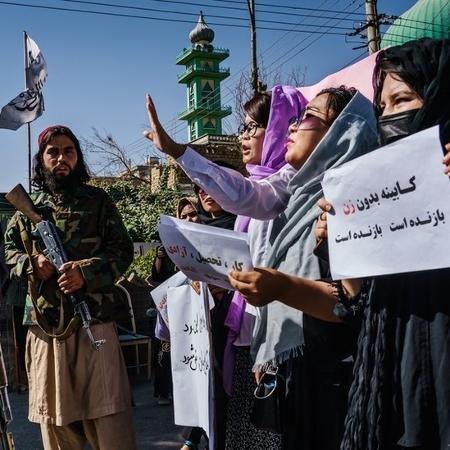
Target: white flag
36 67
29 104
26 107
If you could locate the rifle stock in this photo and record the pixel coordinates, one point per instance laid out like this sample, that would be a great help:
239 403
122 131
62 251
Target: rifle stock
20 199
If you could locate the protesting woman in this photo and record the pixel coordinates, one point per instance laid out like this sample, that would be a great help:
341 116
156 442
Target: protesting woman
262 138
319 375
400 396
334 129
239 381
162 269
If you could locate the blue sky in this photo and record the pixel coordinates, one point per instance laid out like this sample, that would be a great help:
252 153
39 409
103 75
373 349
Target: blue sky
101 67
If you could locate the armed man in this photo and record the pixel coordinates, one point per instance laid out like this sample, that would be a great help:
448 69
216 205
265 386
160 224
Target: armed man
78 385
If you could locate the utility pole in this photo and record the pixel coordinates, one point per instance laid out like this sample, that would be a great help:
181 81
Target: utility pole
373 26
252 12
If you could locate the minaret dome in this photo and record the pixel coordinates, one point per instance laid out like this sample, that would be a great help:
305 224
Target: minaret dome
201 34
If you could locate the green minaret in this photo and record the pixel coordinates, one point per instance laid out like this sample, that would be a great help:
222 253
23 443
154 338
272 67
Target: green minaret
202 77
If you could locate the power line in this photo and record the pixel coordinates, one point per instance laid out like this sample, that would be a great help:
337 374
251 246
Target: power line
280 58
214 95
139 8
383 18
265 51
162 19
183 13
406 19
319 9
293 48
277 6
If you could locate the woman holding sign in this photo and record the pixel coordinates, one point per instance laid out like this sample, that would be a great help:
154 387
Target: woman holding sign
336 127
317 354
261 160
400 397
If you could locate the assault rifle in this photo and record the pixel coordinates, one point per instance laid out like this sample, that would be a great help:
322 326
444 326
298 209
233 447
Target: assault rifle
53 249
6 436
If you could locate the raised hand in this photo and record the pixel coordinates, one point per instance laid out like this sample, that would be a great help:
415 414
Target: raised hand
158 134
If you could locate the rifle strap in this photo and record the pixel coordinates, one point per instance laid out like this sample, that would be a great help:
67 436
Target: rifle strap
32 290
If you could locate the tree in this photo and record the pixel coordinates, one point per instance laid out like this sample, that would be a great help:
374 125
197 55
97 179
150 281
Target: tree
140 209
242 91
112 156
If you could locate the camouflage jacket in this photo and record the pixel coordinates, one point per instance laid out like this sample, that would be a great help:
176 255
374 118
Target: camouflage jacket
93 234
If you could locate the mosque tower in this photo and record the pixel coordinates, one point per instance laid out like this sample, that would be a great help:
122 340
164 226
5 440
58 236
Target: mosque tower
202 77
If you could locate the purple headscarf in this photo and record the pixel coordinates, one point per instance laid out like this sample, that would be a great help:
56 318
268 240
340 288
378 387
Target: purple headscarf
287 102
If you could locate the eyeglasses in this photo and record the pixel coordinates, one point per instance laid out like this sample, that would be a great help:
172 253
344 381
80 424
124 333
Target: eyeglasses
307 118
249 128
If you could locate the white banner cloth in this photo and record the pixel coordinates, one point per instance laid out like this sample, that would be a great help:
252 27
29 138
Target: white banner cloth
190 356
25 108
205 253
29 104
391 210
36 67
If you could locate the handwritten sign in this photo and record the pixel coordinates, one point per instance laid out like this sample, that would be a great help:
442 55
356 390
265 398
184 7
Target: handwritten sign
392 210
159 294
205 253
188 313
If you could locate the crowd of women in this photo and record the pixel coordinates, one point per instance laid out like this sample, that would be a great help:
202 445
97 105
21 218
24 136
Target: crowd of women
352 364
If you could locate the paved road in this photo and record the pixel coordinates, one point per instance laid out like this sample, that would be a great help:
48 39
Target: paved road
154 424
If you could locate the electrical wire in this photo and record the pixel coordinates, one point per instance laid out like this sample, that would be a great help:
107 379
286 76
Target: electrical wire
162 19
299 51
184 13
174 129
139 8
215 95
277 6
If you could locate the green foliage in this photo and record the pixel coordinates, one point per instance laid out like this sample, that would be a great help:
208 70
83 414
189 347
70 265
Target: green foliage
142 265
139 208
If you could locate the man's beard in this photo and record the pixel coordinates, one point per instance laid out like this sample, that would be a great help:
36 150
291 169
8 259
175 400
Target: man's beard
62 184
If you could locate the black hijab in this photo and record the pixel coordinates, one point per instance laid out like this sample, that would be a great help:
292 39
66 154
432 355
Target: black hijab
225 220
399 396
423 64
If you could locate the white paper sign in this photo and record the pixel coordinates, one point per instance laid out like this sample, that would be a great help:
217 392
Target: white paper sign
159 294
190 356
205 253
392 210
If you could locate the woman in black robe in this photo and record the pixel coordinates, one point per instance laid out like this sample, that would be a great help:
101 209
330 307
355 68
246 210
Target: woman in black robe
400 397
400 394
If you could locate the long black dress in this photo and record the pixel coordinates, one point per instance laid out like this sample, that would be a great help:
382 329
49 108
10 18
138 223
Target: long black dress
317 385
400 396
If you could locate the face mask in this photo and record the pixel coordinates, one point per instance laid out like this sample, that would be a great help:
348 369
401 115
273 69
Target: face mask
396 126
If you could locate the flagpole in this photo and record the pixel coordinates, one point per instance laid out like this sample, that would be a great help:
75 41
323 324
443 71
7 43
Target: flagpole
28 124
